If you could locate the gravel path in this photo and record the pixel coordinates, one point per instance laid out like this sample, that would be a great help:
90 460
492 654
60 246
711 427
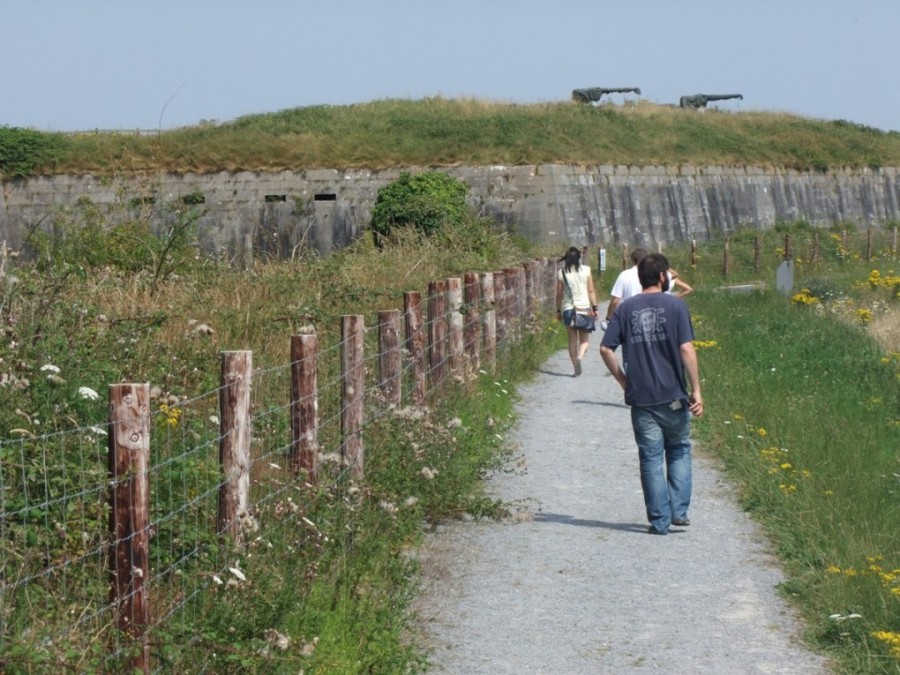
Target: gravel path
574 584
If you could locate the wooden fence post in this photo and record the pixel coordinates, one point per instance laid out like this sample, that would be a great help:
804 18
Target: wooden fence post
489 350
437 333
129 515
530 287
389 361
726 257
304 406
353 380
415 346
869 245
757 251
510 303
814 254
693 252
499 305
894 244
234 445
788 247
455 327
472 326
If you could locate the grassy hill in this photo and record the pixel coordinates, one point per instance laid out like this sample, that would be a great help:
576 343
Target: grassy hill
443 132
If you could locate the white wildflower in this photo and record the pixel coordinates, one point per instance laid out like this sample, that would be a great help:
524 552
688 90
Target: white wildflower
214 419
236 572
278 640
428 472
50 368
411 501
88 394
98 431
218 579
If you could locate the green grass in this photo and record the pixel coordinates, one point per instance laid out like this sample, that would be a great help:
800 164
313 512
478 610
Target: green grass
803 407
442 132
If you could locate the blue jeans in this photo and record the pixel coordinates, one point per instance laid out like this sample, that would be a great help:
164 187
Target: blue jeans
664 434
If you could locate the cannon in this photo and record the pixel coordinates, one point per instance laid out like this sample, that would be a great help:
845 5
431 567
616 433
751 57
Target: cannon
594 93
698 101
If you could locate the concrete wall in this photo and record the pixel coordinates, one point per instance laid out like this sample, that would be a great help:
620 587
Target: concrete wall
278 213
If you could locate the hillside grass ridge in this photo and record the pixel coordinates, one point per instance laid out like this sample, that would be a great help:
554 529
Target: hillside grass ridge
435 132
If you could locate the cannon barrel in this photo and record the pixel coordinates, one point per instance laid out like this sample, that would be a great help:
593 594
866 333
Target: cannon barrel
700 100
595 93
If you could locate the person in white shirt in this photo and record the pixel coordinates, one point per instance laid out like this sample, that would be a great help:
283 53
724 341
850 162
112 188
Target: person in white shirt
627 283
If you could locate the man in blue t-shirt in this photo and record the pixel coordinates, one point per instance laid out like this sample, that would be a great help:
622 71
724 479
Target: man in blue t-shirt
655 332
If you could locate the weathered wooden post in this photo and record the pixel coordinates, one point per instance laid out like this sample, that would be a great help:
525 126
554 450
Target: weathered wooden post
455 327
304 406
128 447
234 445
353 380
472 327
869 244
894 244
389 361
511 303
726 257
814 254
693 253
499 294
531 284
757 250
489 342
437 333
415 346
788 247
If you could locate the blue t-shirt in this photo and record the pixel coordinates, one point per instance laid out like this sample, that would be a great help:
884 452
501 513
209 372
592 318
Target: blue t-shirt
651 327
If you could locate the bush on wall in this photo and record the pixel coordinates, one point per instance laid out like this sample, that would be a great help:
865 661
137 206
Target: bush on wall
426 201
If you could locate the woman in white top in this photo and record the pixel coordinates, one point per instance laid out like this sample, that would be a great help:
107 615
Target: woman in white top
575 293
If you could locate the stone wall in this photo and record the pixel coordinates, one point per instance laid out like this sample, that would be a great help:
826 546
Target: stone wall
276 214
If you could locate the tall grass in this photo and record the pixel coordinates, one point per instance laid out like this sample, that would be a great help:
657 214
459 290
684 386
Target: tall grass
803 407
441 132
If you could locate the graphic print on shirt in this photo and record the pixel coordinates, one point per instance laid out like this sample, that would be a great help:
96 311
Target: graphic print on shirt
647 324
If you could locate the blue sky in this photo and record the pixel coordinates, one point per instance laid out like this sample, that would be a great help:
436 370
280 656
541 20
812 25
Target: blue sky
96 64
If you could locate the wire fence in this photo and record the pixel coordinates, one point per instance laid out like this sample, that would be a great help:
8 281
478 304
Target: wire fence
85 578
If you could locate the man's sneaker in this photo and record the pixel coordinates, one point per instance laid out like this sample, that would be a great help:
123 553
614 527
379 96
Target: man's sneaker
681 522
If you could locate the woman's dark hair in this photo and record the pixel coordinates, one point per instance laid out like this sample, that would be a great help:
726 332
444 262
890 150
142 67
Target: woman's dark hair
572 259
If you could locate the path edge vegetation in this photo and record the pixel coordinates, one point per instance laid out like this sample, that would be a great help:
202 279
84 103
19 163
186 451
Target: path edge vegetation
845 586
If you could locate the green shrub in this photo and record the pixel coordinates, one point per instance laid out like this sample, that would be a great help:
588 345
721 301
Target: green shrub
24 152
427 201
